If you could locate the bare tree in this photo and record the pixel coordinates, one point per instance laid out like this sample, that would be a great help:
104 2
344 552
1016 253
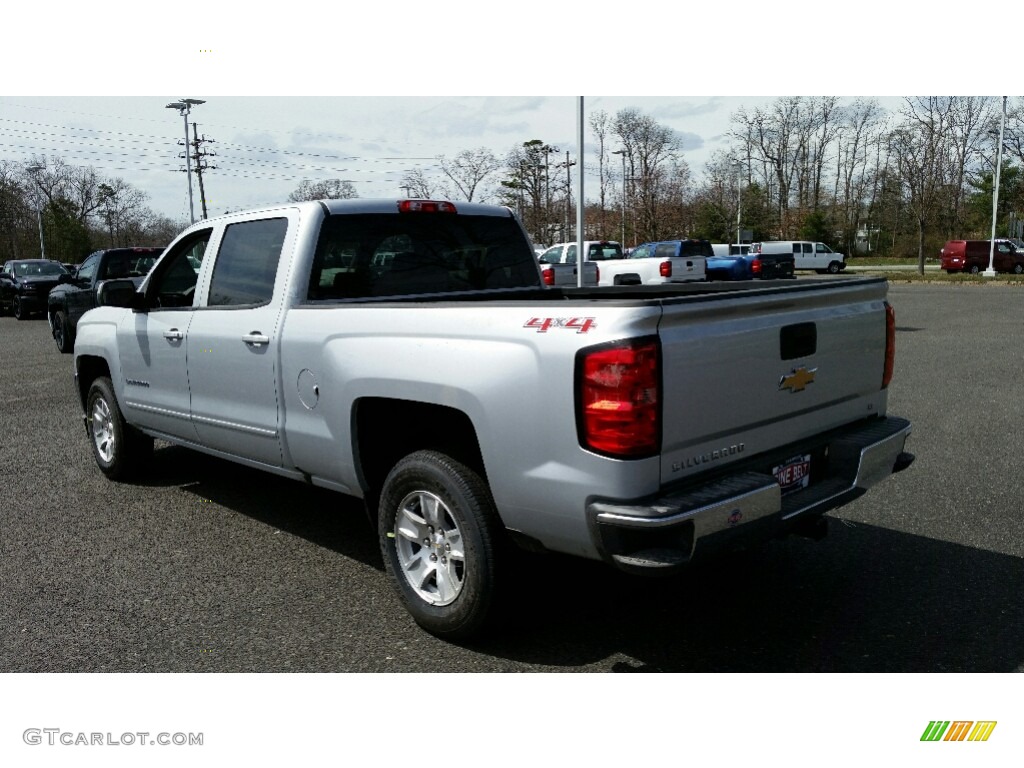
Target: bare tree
121 206
922 152
417 184
600 124
328 189
468 170
655 169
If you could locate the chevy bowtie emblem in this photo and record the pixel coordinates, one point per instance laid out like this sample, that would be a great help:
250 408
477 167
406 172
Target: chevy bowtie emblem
798 380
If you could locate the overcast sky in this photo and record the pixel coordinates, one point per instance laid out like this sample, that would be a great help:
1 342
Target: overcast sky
264 146
341 82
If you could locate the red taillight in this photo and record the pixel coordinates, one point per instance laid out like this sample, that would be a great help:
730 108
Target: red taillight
597 271
619 396
890 345
755 267
425 206
548 275
665 269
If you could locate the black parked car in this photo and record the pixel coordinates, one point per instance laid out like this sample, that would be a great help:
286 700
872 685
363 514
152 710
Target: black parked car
25 284
70 301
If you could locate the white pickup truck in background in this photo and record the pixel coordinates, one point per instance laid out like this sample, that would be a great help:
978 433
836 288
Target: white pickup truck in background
667 261
397 350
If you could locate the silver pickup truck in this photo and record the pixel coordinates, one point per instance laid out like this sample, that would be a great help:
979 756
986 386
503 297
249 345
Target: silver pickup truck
395 350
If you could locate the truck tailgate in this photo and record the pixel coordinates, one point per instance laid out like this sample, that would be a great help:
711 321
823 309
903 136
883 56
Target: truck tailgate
747 373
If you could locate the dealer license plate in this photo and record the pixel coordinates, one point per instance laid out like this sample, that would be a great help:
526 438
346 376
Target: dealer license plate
793 474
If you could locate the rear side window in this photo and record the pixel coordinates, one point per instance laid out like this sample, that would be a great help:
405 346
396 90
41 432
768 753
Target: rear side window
668 250
380 254
247 263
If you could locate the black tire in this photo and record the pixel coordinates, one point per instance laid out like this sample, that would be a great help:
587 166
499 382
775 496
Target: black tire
19 309
119 449
834 268
1018 269
62 333
463 520
975 270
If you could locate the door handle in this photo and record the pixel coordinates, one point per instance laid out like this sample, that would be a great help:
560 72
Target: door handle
256 338
173 335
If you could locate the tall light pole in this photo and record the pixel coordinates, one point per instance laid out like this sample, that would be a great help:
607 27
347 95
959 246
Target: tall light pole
991 272
623 153
34 169
739 200
184 107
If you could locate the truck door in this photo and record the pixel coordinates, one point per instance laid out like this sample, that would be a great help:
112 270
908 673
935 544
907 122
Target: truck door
232 344
152 343
803 256
85 283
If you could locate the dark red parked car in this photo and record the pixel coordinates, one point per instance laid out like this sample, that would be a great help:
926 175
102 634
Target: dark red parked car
973 256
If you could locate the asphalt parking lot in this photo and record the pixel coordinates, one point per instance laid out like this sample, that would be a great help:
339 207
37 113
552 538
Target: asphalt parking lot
206 566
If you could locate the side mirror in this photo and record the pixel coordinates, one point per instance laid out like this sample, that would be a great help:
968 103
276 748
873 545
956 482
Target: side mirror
119 293
65 278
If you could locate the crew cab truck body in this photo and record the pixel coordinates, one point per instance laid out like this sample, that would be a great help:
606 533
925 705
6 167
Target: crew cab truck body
667 261
674 418
66 303
559 263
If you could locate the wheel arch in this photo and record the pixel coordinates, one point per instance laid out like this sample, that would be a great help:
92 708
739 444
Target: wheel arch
88 368
384 430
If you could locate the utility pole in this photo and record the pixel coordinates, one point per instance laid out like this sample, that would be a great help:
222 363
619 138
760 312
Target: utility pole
568 196
200 166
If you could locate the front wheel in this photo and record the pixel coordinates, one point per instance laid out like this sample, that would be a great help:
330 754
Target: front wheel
834 267
119 448
19 309
975 269
1018 269
438 531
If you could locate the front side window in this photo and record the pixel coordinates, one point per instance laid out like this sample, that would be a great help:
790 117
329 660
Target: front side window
87 271
246 266
173 284
552 255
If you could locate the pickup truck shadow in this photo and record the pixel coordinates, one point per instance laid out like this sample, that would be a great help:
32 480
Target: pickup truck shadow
864 599
323 517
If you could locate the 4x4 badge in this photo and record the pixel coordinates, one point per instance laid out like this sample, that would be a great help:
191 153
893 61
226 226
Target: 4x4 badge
798 380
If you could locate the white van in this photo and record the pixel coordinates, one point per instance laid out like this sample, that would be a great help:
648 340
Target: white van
806 254
730 249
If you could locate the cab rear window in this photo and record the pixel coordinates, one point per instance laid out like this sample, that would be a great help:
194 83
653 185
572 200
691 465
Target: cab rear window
370 255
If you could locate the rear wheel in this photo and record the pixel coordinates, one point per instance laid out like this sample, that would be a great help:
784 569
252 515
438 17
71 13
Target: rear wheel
62 333
438 530
975 269
119 448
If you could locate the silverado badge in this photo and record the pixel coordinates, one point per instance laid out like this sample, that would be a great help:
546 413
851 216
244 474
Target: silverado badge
798 380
